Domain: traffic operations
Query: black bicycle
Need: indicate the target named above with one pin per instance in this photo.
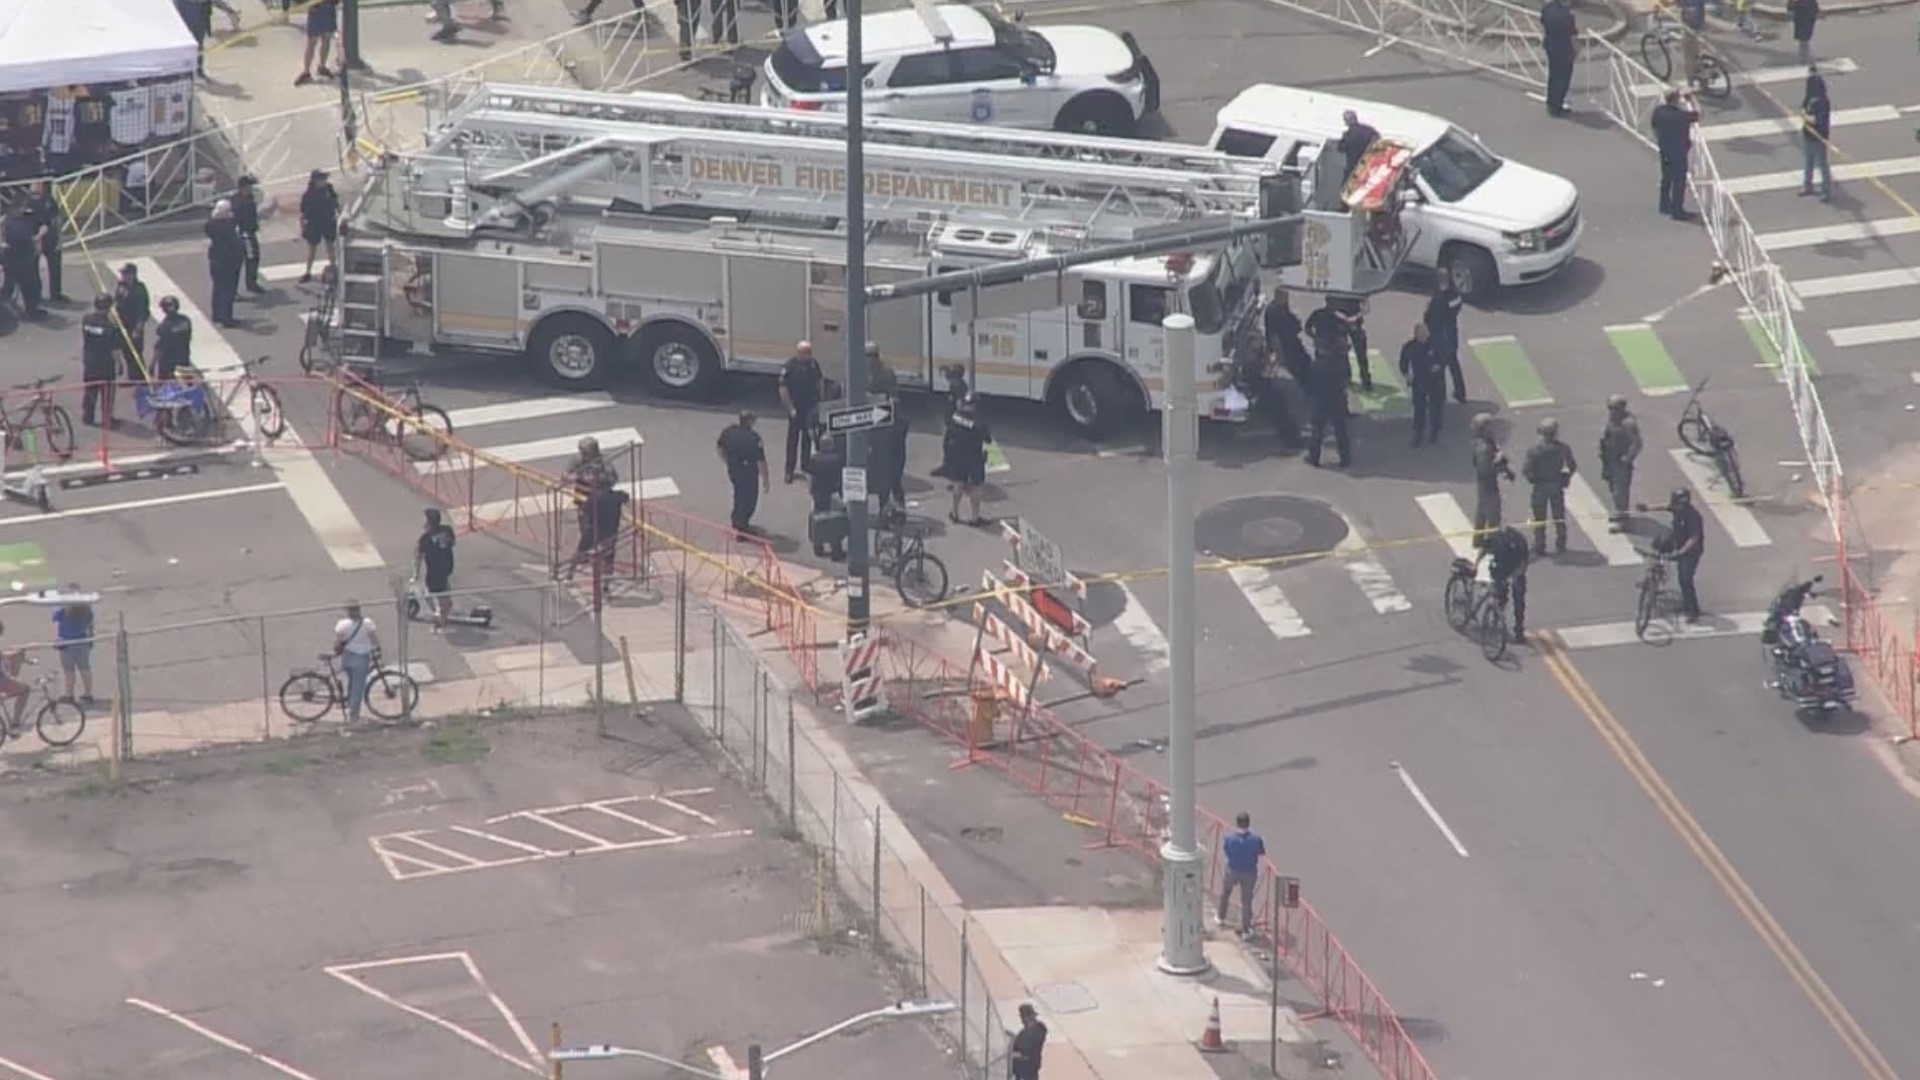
(1476, 606)
(1705, 437)
(311, 694)
(59, 721)
(43, 418)
(1653, 587)
(1709, 76)
(918, 574)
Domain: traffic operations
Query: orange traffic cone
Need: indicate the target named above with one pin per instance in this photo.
(1210, 1040)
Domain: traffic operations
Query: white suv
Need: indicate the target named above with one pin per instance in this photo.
(958, 64)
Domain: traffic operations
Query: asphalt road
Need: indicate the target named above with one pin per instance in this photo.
(1584, 933)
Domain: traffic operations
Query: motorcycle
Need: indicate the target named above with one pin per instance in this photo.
(1806, 670)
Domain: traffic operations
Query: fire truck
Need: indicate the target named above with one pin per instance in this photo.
(691, 240)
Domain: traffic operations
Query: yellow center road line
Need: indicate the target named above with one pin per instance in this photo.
(1617, 738)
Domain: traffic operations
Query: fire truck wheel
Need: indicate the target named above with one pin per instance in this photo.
(1098, 113)
(1097, 400)
(678, 361)
(1473, 271)
(573, 351)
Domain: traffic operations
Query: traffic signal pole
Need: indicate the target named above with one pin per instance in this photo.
(859, 609)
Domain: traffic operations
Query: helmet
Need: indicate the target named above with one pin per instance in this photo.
(1616, 402)
(1680, 497)
(169, 304)
(1548, 427)
(1481, 421)
(589, 446)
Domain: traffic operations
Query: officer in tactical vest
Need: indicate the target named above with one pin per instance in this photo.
(1548, 468)
(1489, 468)
(1619, 446)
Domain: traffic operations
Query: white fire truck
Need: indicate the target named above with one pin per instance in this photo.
(695, 239)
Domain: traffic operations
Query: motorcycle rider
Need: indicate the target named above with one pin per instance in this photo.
(1549, 466)
(1508, 550)
(1619, 446)
(1786, 603)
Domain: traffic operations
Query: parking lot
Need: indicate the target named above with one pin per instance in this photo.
(422, 904)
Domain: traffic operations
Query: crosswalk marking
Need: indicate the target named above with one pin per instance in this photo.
(543, 449)
(1508, 368)
(1453, 524)
(1259, 586)
(1848, 284)
(1589, 514)
(526, 506)
(532, 409)
(1770, 356)
(1136, 625)
(1737, 520)
(1875, 333)
(1791, 179)
(1763, 76)
(1370, 574)
(1786, 125)
(1606, 635)
(1646, 359)
(1844, 232)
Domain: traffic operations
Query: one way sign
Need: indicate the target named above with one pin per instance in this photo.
(852, 418)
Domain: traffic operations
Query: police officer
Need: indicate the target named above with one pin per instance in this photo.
(1426, 383)
(745, 458)
(20, 236)
(1489, 468)
(1508, 550)
(1686, 542)
(689, 16)
(963, 459)
(1443, 321)
(1327, 394)
(824, 476)
(1282, 329)
(246, 221)
(1619, 446)
(134, 305)
(1352, 314)
(1548, 467)
(1673, 121)
(47, 216)
(226, 255)
(891, 444)
(172, 339)
(1558, 35)
(801, 384)
(99, 367)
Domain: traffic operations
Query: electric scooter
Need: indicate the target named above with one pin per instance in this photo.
(27, 486)
(420, 607)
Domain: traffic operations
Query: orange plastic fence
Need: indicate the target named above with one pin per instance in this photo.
(1890, 658)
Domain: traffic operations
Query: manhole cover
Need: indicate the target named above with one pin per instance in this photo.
(1268, 527)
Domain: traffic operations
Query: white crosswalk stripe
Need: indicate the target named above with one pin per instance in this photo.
(1789, 125)
(1261, 587)
(581, 416)
(1452, 523)
(1589, 514)
(1738, 521)
(1372, 578)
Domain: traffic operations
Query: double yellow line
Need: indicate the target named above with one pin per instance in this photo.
(1615, 735)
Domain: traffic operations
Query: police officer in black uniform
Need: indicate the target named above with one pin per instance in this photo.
(963, 460)
(1327, 385)
(99, 367)
(745, 458)
(823, 483)
(134, 305)
(1508, 550)
(1548, 467)
(47, 216)
(20, 235)
(1686, 542)
(801, 383)
(1426, 383)
(1282, 329)
(226, 255)
(246, 221)
(172, 339)
(1352, 313)
(1443, 322)
(1673, 121)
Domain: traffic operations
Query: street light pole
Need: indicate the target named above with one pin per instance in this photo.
(1182, 945)
(858, 608)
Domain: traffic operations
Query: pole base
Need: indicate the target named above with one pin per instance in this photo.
(1183, 946)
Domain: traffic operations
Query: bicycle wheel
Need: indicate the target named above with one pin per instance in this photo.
(1649, 600)
(1696, 434)
(358, 420)
(60, 722)
(1730, 471)
(306, 696)
(1654, 54)
(423, 434)
(1493, 631)
(1712, 79)
(391, 695)
(921, 579)
(1458, 602)
(268, 418)
(58, 429)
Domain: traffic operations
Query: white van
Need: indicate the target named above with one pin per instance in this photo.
(1488, 221)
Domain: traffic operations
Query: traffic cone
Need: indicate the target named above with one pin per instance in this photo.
(1210, 1039)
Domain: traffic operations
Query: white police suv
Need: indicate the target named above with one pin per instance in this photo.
(960, 64)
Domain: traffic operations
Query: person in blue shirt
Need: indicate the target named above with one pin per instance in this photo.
(1243, 849)
(73, 629)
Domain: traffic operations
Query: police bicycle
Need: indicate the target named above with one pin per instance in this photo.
(1476, 606)
(1702, 435)
(1709, 76)
(901, 552)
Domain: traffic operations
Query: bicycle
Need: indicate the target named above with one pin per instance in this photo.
(1472, 604)
(1709, 75)
(421, 431)
(42, 416)
(1653, 583)
(1703, 436)
(312, 693)
(184, 415)
(59, 721)
(918, 575)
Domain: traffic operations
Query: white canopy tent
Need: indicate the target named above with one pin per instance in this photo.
(49, 43)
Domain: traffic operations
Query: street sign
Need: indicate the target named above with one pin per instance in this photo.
(1038, 557)
(853, 483)
(851, 418)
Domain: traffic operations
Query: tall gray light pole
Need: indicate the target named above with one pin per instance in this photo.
(1182, 944)
(858, 609)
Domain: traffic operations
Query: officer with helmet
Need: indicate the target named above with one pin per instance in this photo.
(1548, 467)
(1686, 541)
(1619, 446)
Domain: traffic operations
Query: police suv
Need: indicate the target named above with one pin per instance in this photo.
(960, 64)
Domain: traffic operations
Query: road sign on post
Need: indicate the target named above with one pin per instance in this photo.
(851, 418)
(1038, 557)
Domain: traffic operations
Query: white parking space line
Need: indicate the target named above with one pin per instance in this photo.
(1848, 284)
(530, 409)
(1590, 515)
(544, 449)
(1845, 232)
(21, 1070)
(1433, 815)
(1137, 627)
(1751, 129)
(1453, 524)
(655, 488)
(1607, 635)
(307, 482)
(1875, 333)
(724, 1064)
(1843, 65)
(534, 1061)
(141, 504)
(1370, 574)
(208, 1033)
(1257, 584)
(1737, 520)
(1790, 179)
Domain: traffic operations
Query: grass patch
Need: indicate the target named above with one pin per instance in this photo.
(285, 764)
(97, 783)
(456, 743)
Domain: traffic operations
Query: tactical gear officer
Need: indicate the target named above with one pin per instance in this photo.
(1489, 468)
(1548, 468)
(745, 458)
(172, 339)
(1619, 447)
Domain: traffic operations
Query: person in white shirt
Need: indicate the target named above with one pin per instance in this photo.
(356, 643)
